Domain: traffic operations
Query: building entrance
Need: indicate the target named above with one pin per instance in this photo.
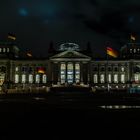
(70, 73)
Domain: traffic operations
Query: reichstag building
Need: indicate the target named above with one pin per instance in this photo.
(69, 65)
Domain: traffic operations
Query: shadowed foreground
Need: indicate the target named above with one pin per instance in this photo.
(69, 116)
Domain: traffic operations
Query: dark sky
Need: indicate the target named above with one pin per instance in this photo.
(37, 22)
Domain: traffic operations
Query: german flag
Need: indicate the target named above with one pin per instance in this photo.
(11, 36)
(29, 54)
(132, 37)
(41, 70)
(111, 52)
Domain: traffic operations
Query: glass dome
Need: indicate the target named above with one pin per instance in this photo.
(69, 46)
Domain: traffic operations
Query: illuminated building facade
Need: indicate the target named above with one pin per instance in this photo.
(70, 66)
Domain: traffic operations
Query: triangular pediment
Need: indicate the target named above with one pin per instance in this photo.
(70, 55)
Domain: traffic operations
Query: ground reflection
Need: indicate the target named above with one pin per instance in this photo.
(118, 107)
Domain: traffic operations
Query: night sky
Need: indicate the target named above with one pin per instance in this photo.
(37, 22)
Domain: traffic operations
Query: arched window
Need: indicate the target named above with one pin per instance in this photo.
(17, 69)
(37, 78)
(122, 69)
(102, 78)
(30, 78)
(109, 78)
(77, 72)
(7, 49)
(23, 78)
(95, 78)
(70, 72)
(16, 78)
(44, 78)
(63, 72)
(122, 78)
(115, 78)
(4, 50)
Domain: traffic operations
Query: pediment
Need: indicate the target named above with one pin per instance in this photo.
(70, 54)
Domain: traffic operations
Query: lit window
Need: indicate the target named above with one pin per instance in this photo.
(37, 78)
(109, 78)
(44, 78)
(70, 73)
(77, 76)
(134, 50)
(122, 69)
(102, 78)
(23, 79)
(122, 78)
(63, 71)
(63, 66)
(30, 78)
(0, 50)
(77, 73)
(115, 78)
(17, 69)
(7, 49)
(63, 77)
(4, 50)
(136, 77)
(95, 78)
(130, 50)
(77, 66)
(16, 78)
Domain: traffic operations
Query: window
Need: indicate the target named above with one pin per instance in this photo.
(136, 77)
(102, 78)
(77, 72)
(3, 69)
(23, 78)
(122, 78)
(134, 50)
(122, 69)
(23, 69)
(0, 50)
(16, 69)
(95, 68)
(16, 78)
(70, 72)
(116, 69)
(30, 69)
(95, 78)
(109, 78)
(4, 50)
(115, 78)
(30, 78)
(62, 76)
(63, 72)
(37, 78)
(7, 49)
(44, 78)
(102, 69)
(109, 69)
